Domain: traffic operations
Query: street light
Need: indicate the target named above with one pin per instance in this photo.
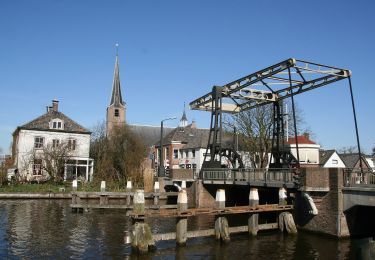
(161, 162)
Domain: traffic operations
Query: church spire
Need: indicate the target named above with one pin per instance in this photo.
(116, 98)
(183, 120)
(116, 111)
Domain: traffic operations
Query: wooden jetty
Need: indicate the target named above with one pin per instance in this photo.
(142, 240)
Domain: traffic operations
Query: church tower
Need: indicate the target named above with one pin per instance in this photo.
(117, 107)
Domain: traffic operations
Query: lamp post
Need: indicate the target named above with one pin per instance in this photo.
(161, 162)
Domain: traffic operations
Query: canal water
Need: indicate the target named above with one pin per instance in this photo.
(47, 229)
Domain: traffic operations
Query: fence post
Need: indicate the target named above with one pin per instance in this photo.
(221, 222)
(103, 196)
(181, 225)
(253, 223)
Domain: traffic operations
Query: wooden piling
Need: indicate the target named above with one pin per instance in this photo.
(128, 189)
(74, 186)
(156, 193)
(253, 221)
(141, 236)
(102, 186)
(139, 202)
(181, 225)
(221, 222)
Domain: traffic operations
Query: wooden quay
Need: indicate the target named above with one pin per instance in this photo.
(142, 240)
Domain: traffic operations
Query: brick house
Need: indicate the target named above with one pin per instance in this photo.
(52, 130)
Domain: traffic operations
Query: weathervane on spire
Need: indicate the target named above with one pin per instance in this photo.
(116, 48)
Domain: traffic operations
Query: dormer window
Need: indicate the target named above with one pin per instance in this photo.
(57, 124)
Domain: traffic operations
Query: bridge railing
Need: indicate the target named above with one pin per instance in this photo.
(248, 175)
(358, 177)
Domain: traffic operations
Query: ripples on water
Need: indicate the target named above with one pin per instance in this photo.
(34, 229)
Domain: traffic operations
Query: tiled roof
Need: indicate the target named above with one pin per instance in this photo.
(324, 155)
(351, 159)
(42, 123)
(149, 134)
(195, 137)
(301, 140)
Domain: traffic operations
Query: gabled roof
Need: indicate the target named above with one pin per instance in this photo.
(42, 123)
(116, 98)
(324, 155)
(351, 159)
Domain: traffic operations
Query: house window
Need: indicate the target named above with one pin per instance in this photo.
(175, 153)
(57, 124)
(117, 113)
(38, 142)
(72, 144)
(55, 143)
(187, 154)
(334, 161)
(167, 152)
(181, 154)
(193, 153)
(37, 167)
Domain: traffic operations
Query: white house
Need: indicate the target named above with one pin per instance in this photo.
(330, 159)
(308, 150)
(51, 131)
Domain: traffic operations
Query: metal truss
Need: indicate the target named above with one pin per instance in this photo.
(277, 82)
(267, 86)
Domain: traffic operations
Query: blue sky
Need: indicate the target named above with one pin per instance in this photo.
(172, 52)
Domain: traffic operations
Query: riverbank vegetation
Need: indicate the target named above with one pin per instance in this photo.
(118, 158)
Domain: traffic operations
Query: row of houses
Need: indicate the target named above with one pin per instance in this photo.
(184, 147)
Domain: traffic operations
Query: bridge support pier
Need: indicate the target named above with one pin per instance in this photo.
(253, 221)
(221, 222)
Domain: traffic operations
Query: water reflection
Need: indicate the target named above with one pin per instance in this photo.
(48, 229)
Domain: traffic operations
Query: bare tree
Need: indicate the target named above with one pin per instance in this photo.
(118, 157)
(255, 127)
(347, 149)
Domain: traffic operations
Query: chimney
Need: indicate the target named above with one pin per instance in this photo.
(193, 124)
(307, 136)
(55, 105)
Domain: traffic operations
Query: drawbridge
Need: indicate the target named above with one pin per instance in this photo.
(269, 86)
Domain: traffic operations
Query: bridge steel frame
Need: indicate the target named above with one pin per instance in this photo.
(267, 86)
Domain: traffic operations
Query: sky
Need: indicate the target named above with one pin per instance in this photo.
(173, 52)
